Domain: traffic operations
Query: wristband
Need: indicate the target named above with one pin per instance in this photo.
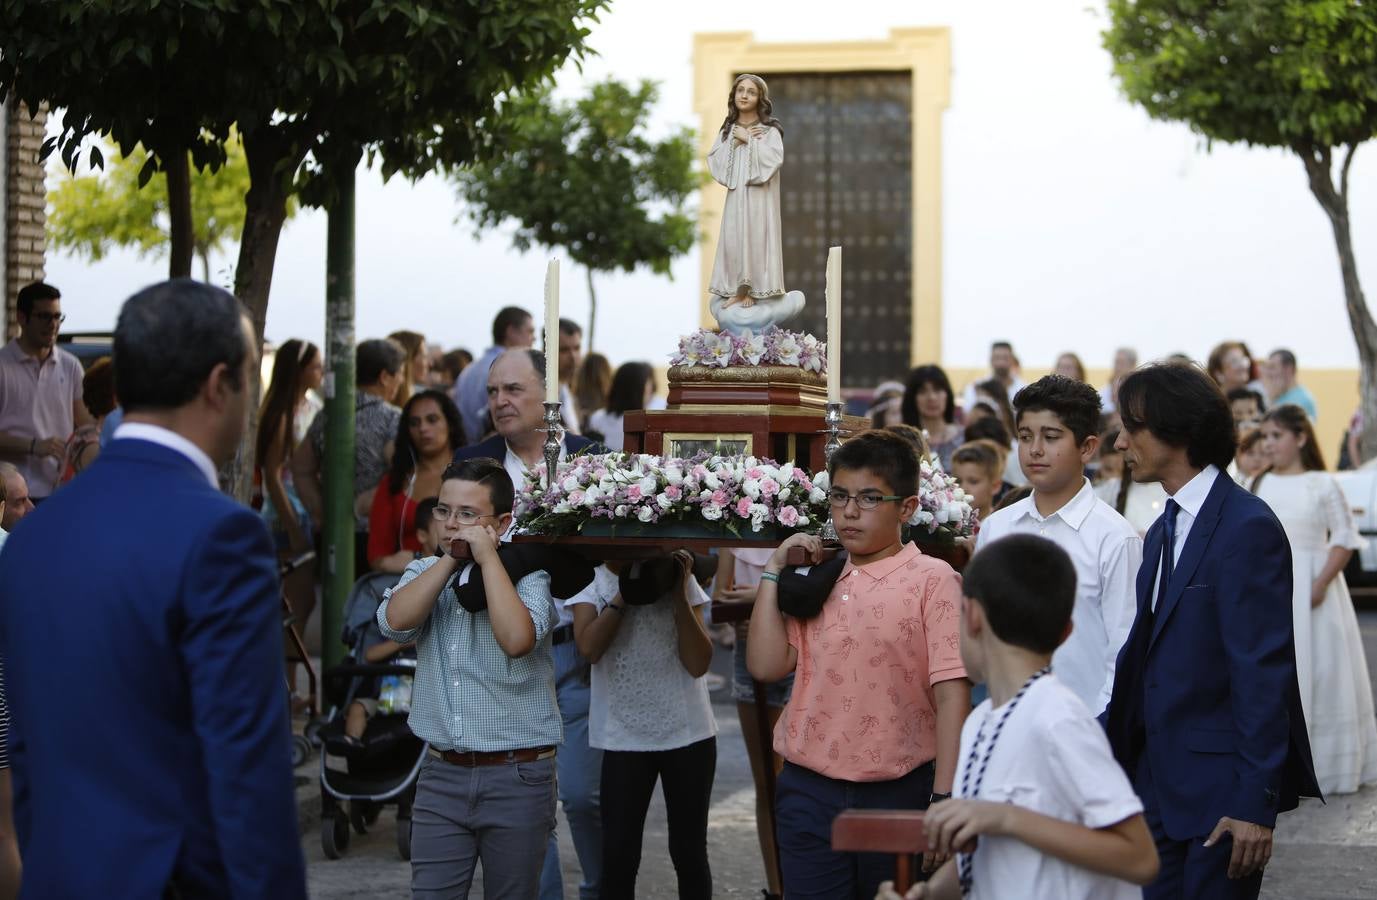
(936, 797)
(769, 576)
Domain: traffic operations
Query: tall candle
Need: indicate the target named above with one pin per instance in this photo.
(834, 258)
(552, 332)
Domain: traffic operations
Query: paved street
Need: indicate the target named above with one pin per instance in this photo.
(1323, 852)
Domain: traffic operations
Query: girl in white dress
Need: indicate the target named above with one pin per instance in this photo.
(745, 158)
(1336, 691)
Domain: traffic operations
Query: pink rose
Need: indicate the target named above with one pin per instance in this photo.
(719, 497)
(788, 516)
(769, 487)
(673, 492)
(743, 507)
(634, 492)
(754, 472)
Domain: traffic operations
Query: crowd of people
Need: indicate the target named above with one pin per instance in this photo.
(1151, 654)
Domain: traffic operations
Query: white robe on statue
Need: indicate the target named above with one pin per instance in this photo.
(750, 250)
(1336, 691)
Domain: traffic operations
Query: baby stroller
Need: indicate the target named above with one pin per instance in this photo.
(357, 781)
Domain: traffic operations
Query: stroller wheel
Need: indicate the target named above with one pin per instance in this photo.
(301, 750)
(404, 837)
(334, 836)
(359, 816)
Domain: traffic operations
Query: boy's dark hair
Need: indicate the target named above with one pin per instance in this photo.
(1027, 585)
(1246, 393)
(991, 429)
(507, 317)
(425, 511)
(30, 294)
(884, 454)
(374, 357)
(1075, 403)
(1182, 407)
(486, 471)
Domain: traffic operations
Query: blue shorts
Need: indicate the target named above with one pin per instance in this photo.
(743, 689)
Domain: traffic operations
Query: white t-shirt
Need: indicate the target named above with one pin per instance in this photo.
(1107, 554)
(643, 698)
(1052, 758)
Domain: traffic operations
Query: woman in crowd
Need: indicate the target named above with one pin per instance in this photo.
(632, 388)
(1141, 504)
(1231, 365)
(98, 393)
(886, 405)
(1336, 691)
(416, 369)
(591, 384)
(929, 404)
(428, 433)
(1069, 365)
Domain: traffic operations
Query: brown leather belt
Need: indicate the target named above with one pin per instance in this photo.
(495, 758)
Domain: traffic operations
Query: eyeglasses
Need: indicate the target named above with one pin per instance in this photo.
(48, 318)
(444, 514)
(866, 500)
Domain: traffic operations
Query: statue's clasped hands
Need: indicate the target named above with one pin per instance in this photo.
(743, 134)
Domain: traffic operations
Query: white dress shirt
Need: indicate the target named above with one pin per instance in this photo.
(1191, 497)
(1107, 553)
(156, 434)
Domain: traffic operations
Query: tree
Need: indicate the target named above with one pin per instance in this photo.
(1295, 74)
(92, 214)
(583, 177)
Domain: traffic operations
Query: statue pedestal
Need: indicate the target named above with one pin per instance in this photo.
(768, 411)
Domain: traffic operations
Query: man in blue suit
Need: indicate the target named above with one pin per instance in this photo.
(1206, 714)
(142, 638)
(516, 390)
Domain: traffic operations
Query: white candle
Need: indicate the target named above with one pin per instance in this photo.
(834, 255)
(552, 332)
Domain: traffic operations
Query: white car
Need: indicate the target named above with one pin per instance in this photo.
(1360, 487)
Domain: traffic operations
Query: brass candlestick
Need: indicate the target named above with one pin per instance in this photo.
(554, 435)
(833, 420)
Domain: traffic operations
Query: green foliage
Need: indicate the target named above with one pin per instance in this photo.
(584, 177)
(91, 214)
(1281, 73)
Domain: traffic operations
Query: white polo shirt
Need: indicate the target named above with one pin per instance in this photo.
(1106, 552)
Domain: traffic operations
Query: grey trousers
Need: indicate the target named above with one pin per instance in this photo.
(502, 815)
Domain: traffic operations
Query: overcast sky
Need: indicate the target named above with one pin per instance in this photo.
(1071, 221)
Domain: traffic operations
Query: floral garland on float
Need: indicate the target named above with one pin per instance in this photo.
(772, 346)
(639, 494)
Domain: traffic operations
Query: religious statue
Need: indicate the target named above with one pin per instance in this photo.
(747, 283)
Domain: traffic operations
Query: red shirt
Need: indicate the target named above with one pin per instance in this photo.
(391, 523)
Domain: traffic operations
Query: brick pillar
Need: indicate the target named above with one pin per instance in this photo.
(25, 205)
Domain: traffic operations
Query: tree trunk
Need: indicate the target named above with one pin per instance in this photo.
(339, 415)
(177, 169)
(1334, 201)
(268, 154)
(592, 308)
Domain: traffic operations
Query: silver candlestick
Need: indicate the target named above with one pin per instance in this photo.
(833, 420)
(554, 435)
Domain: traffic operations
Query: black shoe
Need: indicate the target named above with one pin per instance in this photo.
(803, 589)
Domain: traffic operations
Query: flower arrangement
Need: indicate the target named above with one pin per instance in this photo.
(944, 510)
(773, 346)
(730, 493)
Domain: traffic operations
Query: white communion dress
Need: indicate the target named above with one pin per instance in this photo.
(1336, 691)
(750, 250)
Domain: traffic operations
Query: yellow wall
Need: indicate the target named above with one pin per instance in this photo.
(1335, 390)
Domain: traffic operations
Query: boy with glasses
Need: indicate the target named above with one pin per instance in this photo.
(483, 698)
(879, 692)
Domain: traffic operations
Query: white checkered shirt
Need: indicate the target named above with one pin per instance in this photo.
(468, 694)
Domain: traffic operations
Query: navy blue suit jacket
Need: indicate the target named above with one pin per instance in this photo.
(141, 629)
(496, 448)
(1206, 686)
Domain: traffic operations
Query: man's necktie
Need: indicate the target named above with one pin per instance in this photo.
(1168, 551)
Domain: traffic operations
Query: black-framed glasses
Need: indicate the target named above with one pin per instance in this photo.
(866, 500)
(48, 318)
(444, 514)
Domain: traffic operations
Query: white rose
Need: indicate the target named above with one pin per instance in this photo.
(620, 511)
(648, 485)
(592, 496)
(570, 484)
(751, 488)
(785, 494)
(712, 481)
(664, 501)
(645, 514)
(712, 512)
(786, 473)
(674, 474)
(563, 507)
(817, 495)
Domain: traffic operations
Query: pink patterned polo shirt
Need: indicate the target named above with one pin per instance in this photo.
(863, 707)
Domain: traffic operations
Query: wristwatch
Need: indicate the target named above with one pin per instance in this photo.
(935, 797)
